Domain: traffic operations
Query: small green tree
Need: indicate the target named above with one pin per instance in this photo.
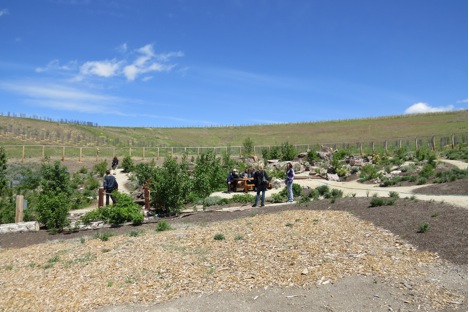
(209, 175)
(288, 152)
(248, 147)
(128, 164)
(54, 199)
(169, 185)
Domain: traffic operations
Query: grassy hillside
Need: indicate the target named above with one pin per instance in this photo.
(26, 131)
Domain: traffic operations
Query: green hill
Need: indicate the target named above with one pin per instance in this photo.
(27, 131)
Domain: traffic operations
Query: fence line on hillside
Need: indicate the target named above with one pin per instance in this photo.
(97, 153)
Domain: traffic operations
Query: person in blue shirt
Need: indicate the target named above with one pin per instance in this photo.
(290, 173)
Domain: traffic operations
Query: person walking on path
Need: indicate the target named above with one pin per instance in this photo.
(114, 164)
(289, 181)
(261, 179)
(110, 185)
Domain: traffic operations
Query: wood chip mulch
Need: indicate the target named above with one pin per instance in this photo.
(290, 248)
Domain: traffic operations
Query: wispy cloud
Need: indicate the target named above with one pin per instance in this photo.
(141, 62)
(55, 65)
(419, 108)
(60, 97)
(4, 12)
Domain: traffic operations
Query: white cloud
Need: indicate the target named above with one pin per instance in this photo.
(55, 65)
(102, 69)
(60, 97)
(141, 62)
(4, 12)
(419, 108)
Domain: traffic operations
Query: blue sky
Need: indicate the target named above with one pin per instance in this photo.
(184, 63)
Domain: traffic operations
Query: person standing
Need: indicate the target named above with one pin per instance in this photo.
(260, 178)
(110, 185)
(290, 173)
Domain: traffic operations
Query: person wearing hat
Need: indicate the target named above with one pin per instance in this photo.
(230, 180)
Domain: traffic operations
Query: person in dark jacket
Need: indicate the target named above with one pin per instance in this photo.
(114, 164)
(259, 177)
(110, 185)
(230, 180)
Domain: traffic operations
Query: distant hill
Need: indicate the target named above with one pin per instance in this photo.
(28, 131)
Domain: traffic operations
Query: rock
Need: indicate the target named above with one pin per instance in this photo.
(305, 272)
(333, 177)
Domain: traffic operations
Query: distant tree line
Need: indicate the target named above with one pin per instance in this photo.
(61, 120)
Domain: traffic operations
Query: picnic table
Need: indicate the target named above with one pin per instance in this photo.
(243, 183)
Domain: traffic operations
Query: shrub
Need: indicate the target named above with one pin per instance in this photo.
(322, 189)
(124, 210)
(170, 185)
(208, 176)
(336, 193)
(128, 164)
(394, 194)
(244, 198)
(55, 198)
(288, 152)
(368, 172)
(421, 181)
(100, 168)
(424, 227)
(248, 147)
(377, 201)
(219, 237)
(162, 226)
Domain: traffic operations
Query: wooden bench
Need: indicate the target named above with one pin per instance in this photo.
(243, 183)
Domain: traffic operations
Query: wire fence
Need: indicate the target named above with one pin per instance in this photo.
(81, 153)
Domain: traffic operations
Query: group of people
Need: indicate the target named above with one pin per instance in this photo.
(260, 181)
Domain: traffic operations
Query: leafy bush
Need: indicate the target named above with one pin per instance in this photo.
(213, 201)
(162, 226)
(323, 189)
(209, 175)
(244, 198)
(55, 198)
(380, 201)
(169, 185)
(128, 164)
(452, 175)
(143, 172)
(459, 153)
(53, 211)
(124, 210)
(369, 172)
(100, 168)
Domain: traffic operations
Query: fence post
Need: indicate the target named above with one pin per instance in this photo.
(19, 208)
(130, 152)
(101, 197)
(43, 153)
(97, 153)
(416, 144)
(361, 149)
(63, 153)
(79, 158)
(158, 153)
(452, 141)
(433, 143)
(22, 155)
(386, 146)
(146, 195)
(143, 153)
(373, 146)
